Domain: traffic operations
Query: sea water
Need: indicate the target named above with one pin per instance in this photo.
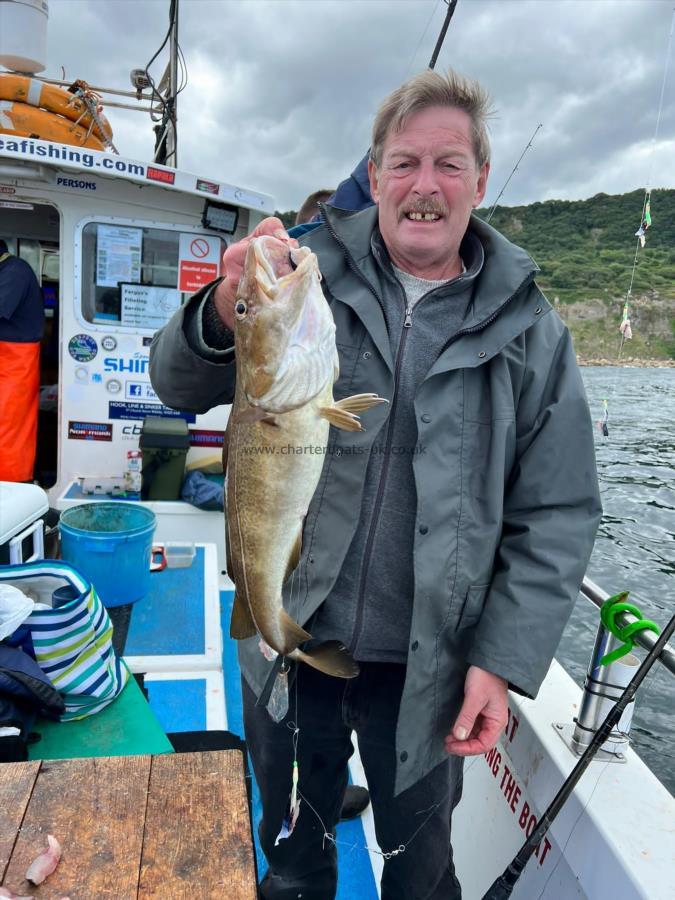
(635, 545)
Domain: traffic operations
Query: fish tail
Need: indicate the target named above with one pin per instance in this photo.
(331, 658)
(292, 634)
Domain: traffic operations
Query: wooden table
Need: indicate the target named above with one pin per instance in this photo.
(131, 827)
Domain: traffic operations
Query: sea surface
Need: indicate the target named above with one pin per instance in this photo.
(635, 545)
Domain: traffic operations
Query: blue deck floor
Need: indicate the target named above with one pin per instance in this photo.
(356, 881)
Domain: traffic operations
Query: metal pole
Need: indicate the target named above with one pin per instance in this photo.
(96, 88)
(172, 99)
(441, 37)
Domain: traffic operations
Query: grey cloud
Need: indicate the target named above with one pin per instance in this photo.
(282, 94)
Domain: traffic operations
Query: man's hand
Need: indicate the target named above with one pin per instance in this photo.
(233, 265)
(483, 715)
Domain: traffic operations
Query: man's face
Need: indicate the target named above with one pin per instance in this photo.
(427, 184)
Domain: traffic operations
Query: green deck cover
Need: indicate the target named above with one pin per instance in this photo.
(127, 727)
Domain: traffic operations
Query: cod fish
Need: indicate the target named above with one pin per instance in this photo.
(286, 364)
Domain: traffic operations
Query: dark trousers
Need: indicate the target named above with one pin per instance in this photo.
(328, 710)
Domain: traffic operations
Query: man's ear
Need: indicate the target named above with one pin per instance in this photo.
(481, 186)
(373, 179)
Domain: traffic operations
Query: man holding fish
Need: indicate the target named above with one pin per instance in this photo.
(426, 550)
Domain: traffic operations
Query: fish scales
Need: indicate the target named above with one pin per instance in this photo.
(276, 439)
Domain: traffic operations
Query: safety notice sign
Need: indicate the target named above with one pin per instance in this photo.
(199, 261)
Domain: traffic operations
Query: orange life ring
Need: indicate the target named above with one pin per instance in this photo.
(29, 121)
(24, 89)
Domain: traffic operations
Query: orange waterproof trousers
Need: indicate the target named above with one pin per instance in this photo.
(19, 401)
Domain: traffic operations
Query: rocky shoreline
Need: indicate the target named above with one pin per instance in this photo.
(628, 361)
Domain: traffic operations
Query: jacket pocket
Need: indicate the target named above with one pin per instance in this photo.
(473, 605)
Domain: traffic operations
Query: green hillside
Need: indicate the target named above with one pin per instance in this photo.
(585, 250)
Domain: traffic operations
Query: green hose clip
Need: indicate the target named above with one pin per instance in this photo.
(608, 613)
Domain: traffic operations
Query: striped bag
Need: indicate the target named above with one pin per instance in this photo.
(72, 644)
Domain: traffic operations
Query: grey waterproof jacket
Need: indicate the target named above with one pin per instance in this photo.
(507, 494)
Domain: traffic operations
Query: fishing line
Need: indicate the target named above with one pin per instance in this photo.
(645, 222)
(514, 170)
(651, 675)
(419, 43)
(574, 827)
(385, 854)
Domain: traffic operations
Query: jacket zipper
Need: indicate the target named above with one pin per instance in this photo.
(407, 324)
(384, 473)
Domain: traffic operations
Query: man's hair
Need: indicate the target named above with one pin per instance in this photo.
(311, 205)
(3, 247)
(430, 88)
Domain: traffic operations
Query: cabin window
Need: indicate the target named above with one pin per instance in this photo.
(138, 277)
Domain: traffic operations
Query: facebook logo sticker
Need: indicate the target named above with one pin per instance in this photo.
(140, 390)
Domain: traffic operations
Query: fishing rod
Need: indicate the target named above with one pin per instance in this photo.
(441, 37)
(514, 170)
(503, 886)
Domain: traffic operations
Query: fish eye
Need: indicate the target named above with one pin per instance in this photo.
(240, 309)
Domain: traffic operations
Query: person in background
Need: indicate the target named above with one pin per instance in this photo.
(309, 215)
(446, 555)
(22, 323)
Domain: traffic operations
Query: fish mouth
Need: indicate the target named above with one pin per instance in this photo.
(296, 352)
(277, 265)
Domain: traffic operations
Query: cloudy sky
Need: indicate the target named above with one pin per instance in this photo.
(281, 93)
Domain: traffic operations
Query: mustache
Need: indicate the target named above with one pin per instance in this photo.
(424, 206)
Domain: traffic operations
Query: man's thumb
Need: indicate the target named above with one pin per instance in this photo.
(466, 718)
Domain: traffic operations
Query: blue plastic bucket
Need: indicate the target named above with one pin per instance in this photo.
(111, 545)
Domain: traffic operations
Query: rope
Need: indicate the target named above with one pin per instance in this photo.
(609, 610)
(645, 222)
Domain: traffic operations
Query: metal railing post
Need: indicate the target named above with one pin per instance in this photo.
(602, 688)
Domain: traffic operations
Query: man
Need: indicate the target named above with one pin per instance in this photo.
(22, 322)
(310, 211)
(447, 557)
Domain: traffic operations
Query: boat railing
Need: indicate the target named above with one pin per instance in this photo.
(645, 639)
(606, 679)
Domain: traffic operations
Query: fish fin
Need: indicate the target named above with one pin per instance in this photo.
(241, 624)
(359, 402)
(293, 634)
(253, 414)
(341, 418)
(294, 558)
(331, 658)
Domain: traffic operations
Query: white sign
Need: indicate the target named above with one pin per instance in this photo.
(118, 255)
(145, 306)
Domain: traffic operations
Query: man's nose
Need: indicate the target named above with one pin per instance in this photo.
(426, 181)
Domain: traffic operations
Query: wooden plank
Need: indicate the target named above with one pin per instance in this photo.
(16, 785)
(96, 810)
(197, 832)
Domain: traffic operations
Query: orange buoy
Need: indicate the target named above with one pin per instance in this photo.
(30, 121)
(23, 89)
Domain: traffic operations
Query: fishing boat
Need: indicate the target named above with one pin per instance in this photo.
(118, 244)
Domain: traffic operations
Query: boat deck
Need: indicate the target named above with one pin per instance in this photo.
(193, 684)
